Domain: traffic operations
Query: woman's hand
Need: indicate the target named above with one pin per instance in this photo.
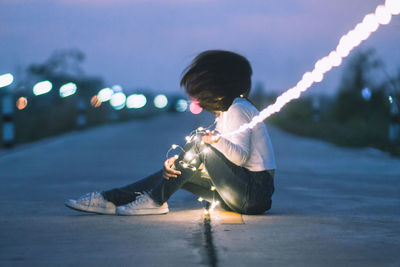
(211, 137)
(169, 169)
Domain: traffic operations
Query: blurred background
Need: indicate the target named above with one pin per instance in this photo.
(72, 64)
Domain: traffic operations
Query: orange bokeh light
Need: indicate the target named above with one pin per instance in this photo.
(95, 102)
(21, 103)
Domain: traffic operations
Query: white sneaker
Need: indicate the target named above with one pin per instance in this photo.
(143, 205)
(91, 202)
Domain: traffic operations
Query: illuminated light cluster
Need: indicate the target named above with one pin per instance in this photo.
(6, 79)
(21, 103)
(42, 88)
(117, 101)
(136, 101)
(105, 94)
(371, 22)
(160, 101)
(67, 89)
(95, 102)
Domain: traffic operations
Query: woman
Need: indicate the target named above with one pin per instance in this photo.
(240, 167)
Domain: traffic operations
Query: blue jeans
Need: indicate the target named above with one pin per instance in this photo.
(236, 188)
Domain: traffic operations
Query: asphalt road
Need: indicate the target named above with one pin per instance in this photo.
(332, 207)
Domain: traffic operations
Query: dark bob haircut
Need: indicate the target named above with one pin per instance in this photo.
(216, 77)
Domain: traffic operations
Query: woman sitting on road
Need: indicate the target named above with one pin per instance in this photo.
(240, 167)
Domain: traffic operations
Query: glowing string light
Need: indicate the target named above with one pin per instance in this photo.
(347, 43)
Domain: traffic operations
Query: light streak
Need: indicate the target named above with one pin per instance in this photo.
(371, 22)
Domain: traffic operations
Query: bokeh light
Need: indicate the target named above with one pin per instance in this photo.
(21, 103)
(366, 93)
(6, 79)
(136, 101)
(67, 89)
(181, 105)
(117, 101)
(194, 107)
(42, 88)
(105, 94)
(95, 102)
(117, 88)
(160, 101)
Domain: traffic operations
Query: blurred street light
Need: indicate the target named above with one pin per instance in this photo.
(366, 93)
(118, 101)
(181, 105)
(21, 103)
(42, 88)
(67, 89)
(6, 79)
(95, 102)
(160, 101)
(136, 101)
(117, 88)
(194, 107)
(105, 94)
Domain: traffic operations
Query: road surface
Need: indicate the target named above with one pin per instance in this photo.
(332, 207)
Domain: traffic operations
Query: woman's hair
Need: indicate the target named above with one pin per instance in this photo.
(216, 77)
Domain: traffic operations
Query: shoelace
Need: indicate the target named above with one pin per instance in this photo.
(141, 198)
(89, 196)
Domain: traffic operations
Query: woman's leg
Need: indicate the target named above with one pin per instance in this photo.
(124, 195)
(233, 183)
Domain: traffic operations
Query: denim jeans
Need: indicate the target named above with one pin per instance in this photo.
(236, 188)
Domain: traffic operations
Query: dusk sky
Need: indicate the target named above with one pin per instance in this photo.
(139, 43)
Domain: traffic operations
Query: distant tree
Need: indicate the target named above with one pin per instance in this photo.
(60, 63)
(352, 101)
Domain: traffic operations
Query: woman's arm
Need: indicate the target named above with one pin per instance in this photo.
(237, 147)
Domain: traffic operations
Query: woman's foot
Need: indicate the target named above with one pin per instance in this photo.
(91, 202)
(143, 205)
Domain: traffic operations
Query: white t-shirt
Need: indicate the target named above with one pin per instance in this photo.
(251, 149)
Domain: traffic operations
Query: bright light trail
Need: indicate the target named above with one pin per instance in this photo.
(371, 22)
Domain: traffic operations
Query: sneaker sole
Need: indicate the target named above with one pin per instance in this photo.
(144, 212)
(73, 205)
